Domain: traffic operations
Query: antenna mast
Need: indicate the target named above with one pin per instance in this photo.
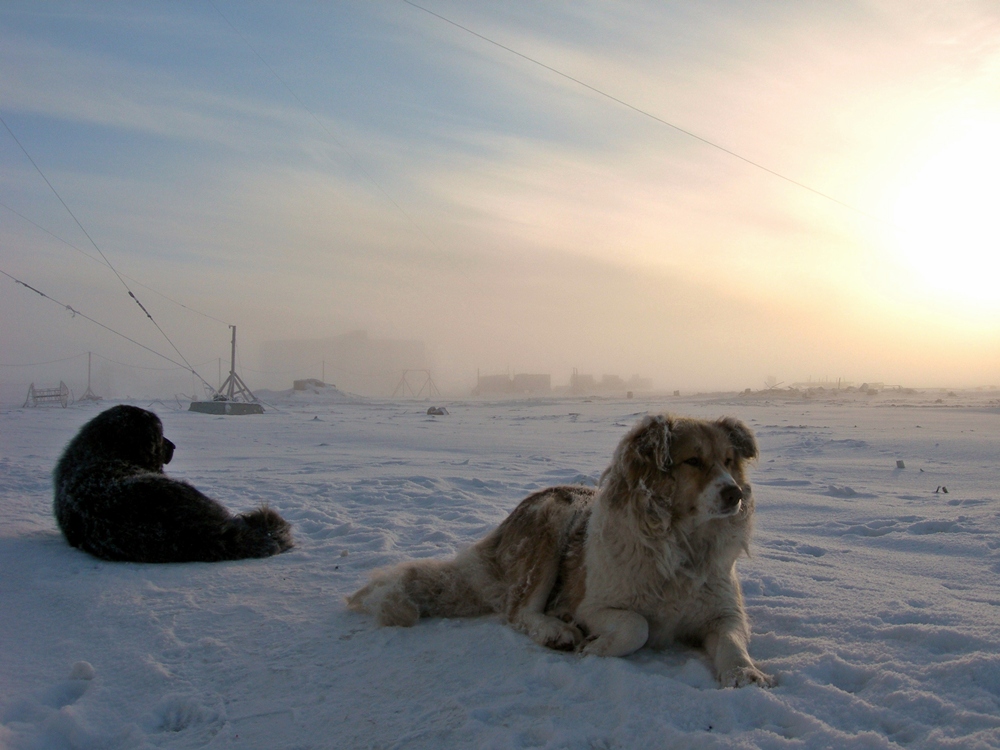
(233, 396)
(234, 385)
(89, 395)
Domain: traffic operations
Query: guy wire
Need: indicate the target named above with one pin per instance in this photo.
(87, 234)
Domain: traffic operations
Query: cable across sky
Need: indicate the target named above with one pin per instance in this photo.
(101, 252)
(645, 113)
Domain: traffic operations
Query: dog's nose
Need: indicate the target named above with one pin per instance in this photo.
(731, 497)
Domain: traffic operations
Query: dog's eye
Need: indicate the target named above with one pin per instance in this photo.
(695, 462)
(729, 463)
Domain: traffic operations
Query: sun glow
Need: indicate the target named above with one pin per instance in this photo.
(948, 218)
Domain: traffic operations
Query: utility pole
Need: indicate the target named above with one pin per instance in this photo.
(89, 395)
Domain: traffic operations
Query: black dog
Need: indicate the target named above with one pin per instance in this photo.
(113, 500)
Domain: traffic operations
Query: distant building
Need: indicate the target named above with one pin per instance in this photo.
(582, 384)
(492, 385)
(612, 383)
(354, 362)
(609, 385)
(523, 384)
(638, 383)
(840, 384)
(531, 384)
(307, 383)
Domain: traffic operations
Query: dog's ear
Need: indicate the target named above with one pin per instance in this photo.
(740, 436)
(640, 472)
(647, 446)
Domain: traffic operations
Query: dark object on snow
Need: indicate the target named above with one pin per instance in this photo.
(307, 383)
(113, 500)
(900, 464)
(223, 406)
(437, 411)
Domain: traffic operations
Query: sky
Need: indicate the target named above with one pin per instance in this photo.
(706, 194)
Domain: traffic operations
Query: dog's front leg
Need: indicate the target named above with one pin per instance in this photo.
(527, 614)
(727, 648)
(614, 632)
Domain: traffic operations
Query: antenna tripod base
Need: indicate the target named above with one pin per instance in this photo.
(226, 407)
(223, 401)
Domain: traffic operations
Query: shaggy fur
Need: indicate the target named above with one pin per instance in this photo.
(647, 558)
(113, 500)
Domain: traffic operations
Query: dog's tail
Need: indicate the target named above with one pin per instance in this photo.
(403, 594)
(259, 533)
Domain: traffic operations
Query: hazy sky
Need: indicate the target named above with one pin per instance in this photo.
(367, 165)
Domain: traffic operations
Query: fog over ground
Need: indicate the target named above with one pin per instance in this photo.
(306, 171)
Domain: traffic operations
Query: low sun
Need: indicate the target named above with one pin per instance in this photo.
(948, 218)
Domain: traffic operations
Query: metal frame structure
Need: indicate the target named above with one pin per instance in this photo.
(38, 396)
(405, 385)
(226, 400)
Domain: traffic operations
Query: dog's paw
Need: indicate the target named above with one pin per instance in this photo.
(595, 645)
(738, 677)
(565, 638)
(584, 647)
(551, 632)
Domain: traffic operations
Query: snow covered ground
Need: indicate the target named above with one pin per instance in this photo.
(873, 597)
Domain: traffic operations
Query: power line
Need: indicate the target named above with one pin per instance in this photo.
(72, 215)
(101, 252)
(96, 354)
(648, 114)
(91, 257)
(76, 312)
(326, 130)
(50, 362)
(294, 370)
(135, 367)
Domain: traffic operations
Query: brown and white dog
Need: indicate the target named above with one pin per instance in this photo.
(645, 559)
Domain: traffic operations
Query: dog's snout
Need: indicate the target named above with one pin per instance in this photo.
(732, 495)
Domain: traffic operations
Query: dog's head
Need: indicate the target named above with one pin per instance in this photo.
(687, 469)
(127, 433)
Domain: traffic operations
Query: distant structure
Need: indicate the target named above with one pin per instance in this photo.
(840, 384)
(582, 384)
(416, 384)
(89, 395)
(356, 362)
(527, 383)
(492, 385)
(47, 396)
(872, 389)
(612, 383)
(307, 383)
(522, 384)
(233, 396)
